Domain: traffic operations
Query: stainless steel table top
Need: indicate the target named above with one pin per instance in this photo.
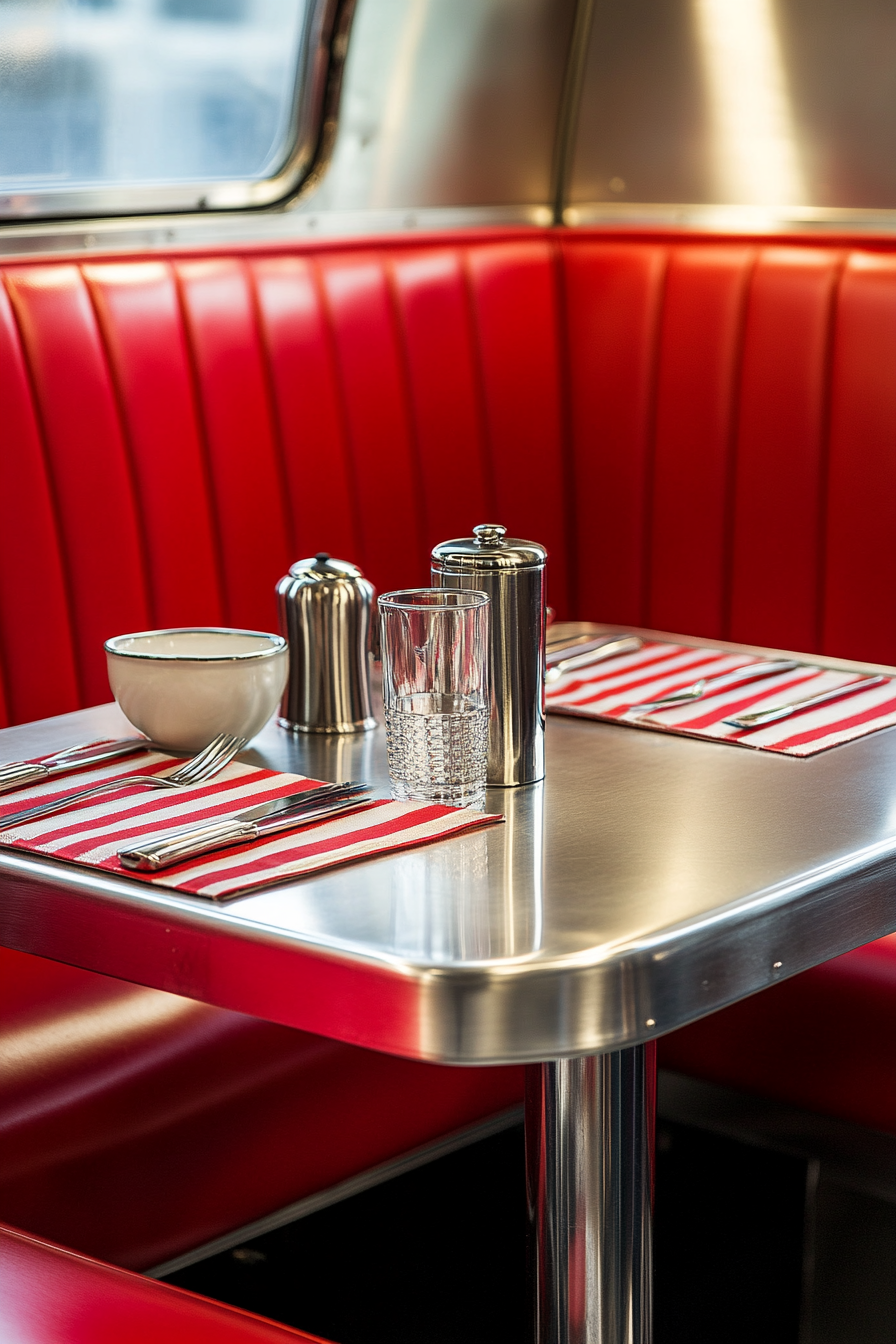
(649, 880)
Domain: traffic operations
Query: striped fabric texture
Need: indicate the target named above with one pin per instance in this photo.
(92, 833)
(609, 690)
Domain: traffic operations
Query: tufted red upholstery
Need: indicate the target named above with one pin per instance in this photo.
(189, 416)
(177, 431)
(54, 1296)
(737, 405)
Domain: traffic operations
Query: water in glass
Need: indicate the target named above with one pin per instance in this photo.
(438, 745)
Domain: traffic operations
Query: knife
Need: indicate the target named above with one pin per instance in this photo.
(760, 717)
(289, 813)
(594, 651)
(19, 774)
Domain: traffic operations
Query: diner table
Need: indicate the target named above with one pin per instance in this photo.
(648, 880)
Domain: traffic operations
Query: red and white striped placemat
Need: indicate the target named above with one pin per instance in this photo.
(607, 690)
(94, 831)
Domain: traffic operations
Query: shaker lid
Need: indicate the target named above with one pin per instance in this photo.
(322, 566)
(489, 548)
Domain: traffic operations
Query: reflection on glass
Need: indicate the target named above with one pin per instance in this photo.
(521, 866)
(478, 897)
(756, 154)
(440, 902)
(332, 756)
(145, 91)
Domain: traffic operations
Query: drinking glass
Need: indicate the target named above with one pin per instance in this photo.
(435, 687)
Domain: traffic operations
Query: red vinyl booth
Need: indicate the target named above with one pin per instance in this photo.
(51, 1295)
(701, 430)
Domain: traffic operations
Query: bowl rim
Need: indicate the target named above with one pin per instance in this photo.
(277, 645)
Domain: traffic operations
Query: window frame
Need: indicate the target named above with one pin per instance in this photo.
(320, 56)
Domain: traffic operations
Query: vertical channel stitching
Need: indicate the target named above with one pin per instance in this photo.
(52, 491)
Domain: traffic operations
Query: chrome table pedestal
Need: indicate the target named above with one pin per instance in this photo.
(589, 1179)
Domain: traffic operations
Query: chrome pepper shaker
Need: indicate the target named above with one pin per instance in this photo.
(325, 608)
(512, 572)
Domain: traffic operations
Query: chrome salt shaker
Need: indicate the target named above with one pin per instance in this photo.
(512, 572)
(326, 608)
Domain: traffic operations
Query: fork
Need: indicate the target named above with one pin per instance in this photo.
(707, 685)
(208, 762)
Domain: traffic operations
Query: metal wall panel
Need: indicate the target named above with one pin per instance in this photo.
(448, 103)
(780, 104)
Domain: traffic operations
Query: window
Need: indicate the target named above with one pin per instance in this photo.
(108, 106)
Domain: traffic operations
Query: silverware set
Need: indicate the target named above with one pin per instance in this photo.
(574, 652)
(207, 763)
(304, 807)
(706, 686)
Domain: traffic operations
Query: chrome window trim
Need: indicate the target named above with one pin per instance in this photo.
(321, 54)
(299, 222)
(177, 233)
(728, 218)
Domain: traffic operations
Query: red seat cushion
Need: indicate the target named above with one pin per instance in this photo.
(51, 1295)
(120, 1107)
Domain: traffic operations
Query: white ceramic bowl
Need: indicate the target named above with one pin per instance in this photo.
(183, 687)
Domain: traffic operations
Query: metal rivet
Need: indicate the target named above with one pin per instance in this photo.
(650, 1022)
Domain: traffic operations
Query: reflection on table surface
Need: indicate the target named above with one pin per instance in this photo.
(631, 833)
(647, 881)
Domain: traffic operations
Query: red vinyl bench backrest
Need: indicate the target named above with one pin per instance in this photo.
(703, 432)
